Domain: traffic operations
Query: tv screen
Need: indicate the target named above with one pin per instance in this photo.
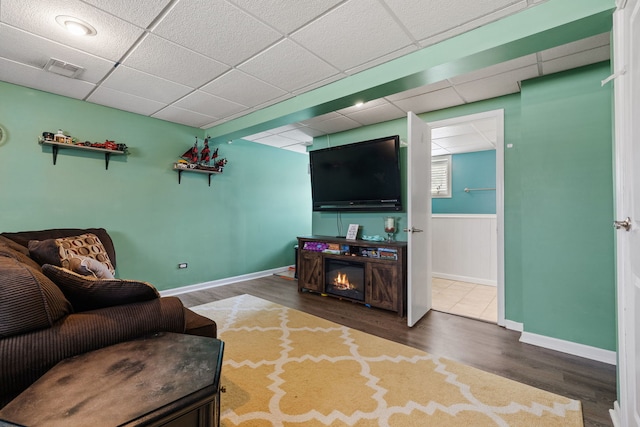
(363, 176)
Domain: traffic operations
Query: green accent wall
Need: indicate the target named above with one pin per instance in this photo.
(246, 222)
(558, 184)
(567, 207)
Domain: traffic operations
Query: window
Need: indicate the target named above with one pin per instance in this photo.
(441, 176)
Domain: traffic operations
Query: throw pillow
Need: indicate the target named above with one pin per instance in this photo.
(60, 251)
(29, 301)
(88, 293)
(89, 267)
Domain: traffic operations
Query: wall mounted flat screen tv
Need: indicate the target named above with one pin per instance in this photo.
(363, 176)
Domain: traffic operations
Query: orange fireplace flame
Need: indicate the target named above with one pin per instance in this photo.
(341, 282)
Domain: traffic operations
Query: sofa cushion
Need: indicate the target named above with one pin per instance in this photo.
(10, 251)
(28, 300)
(23, 237)
(88, 293)
(60, 251)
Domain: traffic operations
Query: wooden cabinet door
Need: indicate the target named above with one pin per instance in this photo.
(382, 285)
(311, 271)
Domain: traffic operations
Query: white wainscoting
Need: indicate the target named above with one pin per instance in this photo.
(465, 248)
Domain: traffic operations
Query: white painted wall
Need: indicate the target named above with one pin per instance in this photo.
(465, 248)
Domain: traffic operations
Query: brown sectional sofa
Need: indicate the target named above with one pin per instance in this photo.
(39, 326)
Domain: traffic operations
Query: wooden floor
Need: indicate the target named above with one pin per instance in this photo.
(476, 343)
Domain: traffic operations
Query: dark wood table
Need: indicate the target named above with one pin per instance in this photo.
(164, 380)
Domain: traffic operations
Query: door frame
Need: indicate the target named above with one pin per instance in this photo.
(500, 147)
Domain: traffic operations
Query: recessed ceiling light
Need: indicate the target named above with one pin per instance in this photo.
(75, 26)
(359, 104)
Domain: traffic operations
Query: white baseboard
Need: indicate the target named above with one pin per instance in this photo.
(513, 326)
(588, 352)
(458, 278)
(614, 414)
(222, 282)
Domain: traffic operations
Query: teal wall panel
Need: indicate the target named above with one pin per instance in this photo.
(245, 222)
(470, 170)
(567, 207)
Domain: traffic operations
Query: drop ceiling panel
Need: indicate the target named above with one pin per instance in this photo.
(33, 50)
(381, 59)
(461, 140)
(139, 12)
(37, 78)
(420, 90)
(288, 66)
(298, 148)
(426, 19)
(331, 37)
(575, 47)
(431, 101)
(209, 105)
(124, 101)
(243, 89)
(216, 29)
(501, 84)
(379, 114)
(128, 80)
(494, 70)
(173, 62)
(114, 36)
(337, 124)
(277, 141)
(453, 130)
(185, 117)
(286, 15)
(576, 60)
(302, 135)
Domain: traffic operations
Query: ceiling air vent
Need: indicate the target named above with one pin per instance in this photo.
(66, 69)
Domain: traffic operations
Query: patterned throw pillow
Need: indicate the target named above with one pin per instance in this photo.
(88, 293)
(60, 251)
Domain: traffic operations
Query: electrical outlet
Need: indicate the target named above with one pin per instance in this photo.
(182, 265)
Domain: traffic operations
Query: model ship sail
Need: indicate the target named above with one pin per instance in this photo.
(191, 155)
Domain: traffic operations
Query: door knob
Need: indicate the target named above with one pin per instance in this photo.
(413, 230)
(626, 224)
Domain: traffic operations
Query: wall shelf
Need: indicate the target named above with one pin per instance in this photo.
(55, 146)
(193, 170)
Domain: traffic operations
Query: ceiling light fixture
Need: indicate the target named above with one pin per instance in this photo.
(75, 26)
(359, 104)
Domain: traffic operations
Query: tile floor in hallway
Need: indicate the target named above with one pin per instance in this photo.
(465, 299)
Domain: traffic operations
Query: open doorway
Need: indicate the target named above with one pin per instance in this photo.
(468, 217)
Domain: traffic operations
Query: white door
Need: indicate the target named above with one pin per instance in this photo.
(627, 152)
(418, 219)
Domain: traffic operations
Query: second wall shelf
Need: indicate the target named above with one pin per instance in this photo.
(193, 170)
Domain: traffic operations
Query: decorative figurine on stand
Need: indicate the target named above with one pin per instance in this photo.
(203, 160)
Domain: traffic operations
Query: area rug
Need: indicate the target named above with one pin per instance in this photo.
(283, 367)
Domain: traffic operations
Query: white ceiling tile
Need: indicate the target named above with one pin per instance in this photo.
(36, 78)
(209, 105)
(420, 90)
(165, 59)
(363, 107)
(243, 89)
(124, 101)
(501, 84)
(216, 29)
(286, 128)
(576, 60)
(581, 45)
(185, 117)
(257, 136)
(337, 124)
(33, 50)
(501, 68)
(452, 130)
(298, 148)
(318, 83)
(331, 37)
(276, 141)
(144, 85)
(379, 114)
(438, 151)
(460, 140)
(469, 148)
(288, 66)
(286, 15)
(489, 17)
(425, 19)
(114, 36)
(139, 12)
(431, 101)
(318, 119)
(381, 59)
(297, 134)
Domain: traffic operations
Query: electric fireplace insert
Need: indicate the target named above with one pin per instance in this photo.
(344, 278)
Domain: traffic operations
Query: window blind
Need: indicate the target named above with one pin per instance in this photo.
(441, 176)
